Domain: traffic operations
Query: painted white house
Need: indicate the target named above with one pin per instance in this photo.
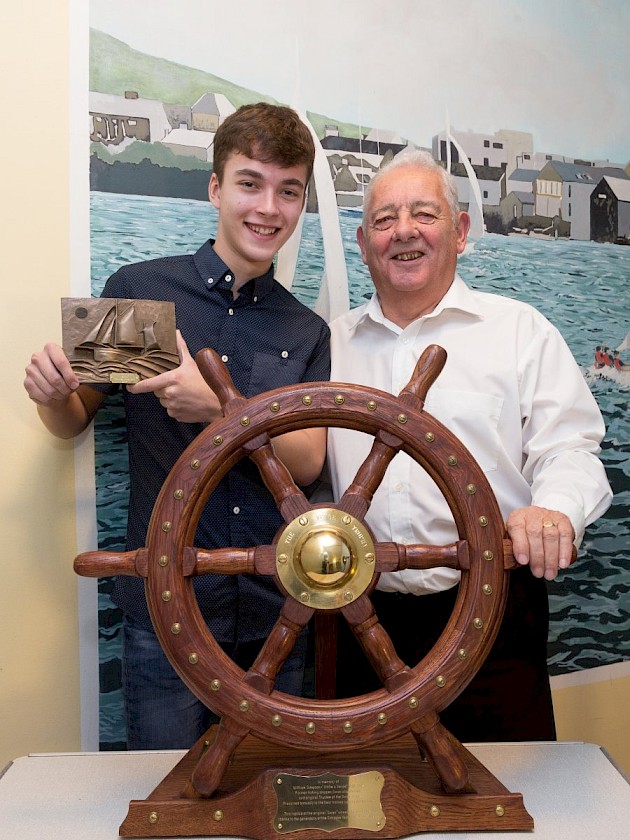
(564, 189)
(191, 143)
(210, 110)
(117, 121)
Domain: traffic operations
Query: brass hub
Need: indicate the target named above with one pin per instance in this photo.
(325, 558)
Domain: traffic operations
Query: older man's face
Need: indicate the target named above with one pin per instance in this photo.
(412, 241)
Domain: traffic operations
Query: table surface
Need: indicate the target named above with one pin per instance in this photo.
(572, 791)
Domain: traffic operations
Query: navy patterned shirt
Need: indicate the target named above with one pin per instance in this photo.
(267, 339)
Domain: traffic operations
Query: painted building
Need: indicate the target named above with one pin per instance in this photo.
(610, 210)
(564, 190)
(197, 144)
(521, 180)
(503, 149)
(210, 110)
(354, 160)
(516, 205)
(117, 121)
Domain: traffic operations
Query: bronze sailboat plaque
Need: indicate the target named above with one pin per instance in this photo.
(119, 340)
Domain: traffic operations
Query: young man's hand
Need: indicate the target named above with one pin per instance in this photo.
(183, 392)
(49, 376)
(66, 408)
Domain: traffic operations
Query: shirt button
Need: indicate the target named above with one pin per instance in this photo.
(285, 354)
(230, 312)
(228, 278)
(210, 281)
(255, 299)
(224, 358)
(236, 509)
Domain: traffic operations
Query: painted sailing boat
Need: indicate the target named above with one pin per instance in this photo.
(116, 336)
(475, 203)
(621, 375)
(333, 299)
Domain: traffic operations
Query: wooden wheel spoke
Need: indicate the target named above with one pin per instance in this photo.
(260, 560)
(392, 557)
(376, 643)
(217, 376)
(358, 497)
(108, 563)
(290, 500)
(427, 369)
(292, 620)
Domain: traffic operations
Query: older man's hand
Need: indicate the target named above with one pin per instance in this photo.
(543, 538)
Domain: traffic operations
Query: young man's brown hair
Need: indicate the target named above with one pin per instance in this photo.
(264, 132)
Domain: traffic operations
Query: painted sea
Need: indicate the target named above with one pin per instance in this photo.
(582, 287)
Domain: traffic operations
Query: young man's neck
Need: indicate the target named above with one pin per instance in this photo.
(243, 272)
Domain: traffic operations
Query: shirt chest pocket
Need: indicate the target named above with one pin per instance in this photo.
(273, 370)
(473, 417)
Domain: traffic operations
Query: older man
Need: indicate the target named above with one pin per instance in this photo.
(513, 394)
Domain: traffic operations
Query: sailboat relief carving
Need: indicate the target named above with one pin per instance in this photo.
(118, 340)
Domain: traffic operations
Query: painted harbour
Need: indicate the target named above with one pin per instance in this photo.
(582, 287)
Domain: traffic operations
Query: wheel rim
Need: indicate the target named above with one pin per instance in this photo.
(211, 674)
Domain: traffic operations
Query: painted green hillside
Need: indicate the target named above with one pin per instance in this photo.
(115, 67)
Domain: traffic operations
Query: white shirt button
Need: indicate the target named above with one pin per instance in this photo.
(236, 509)
(230, 312)
(255, 299)
(224, 358)
(285, 354)
(210, 281)
(228, 278)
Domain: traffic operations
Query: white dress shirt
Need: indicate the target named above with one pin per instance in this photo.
(510, 390)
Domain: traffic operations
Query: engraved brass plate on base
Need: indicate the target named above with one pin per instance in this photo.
(329, 802)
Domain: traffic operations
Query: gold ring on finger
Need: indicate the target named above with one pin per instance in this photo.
(548, 523)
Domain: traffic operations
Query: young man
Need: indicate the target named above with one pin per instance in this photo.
(512, 393)
(226, 298)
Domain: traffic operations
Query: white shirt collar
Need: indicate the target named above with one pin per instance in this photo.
(458, 297)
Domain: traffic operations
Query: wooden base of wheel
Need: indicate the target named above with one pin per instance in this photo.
(384, 791)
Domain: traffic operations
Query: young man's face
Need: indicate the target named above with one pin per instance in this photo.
(259, 206)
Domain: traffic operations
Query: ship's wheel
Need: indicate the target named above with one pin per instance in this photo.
(323, 558)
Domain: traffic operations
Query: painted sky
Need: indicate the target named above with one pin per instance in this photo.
(557, 69)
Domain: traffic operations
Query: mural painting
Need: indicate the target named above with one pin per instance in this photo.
(550, 228)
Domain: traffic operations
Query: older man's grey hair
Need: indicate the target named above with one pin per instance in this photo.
(418, 159)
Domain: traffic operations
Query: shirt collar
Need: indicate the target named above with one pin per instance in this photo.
(458, 297)
(216, 274)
